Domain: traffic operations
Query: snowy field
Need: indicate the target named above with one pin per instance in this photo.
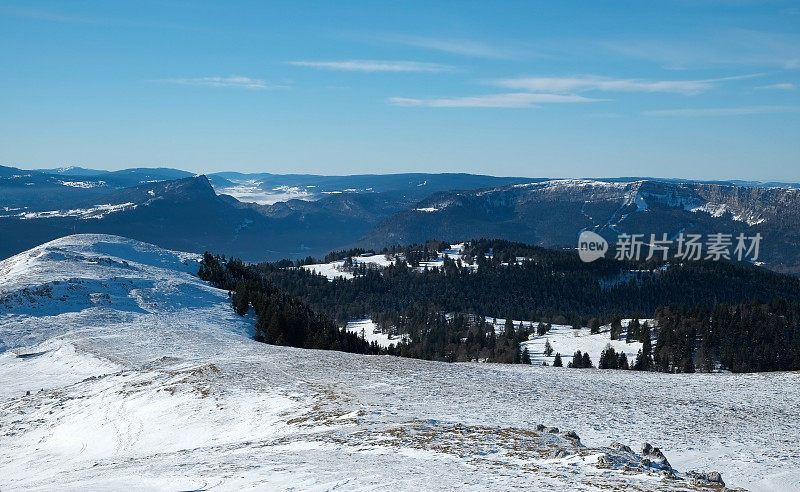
(566, 340)
(336, 269)
(96, 212)
(368, 330)
(142, 377)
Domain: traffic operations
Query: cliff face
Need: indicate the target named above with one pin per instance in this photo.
(187, 214)
(553, 213)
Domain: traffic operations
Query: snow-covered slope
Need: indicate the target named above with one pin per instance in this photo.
(141, 376)
(565, 340)
(339, 268)
(336, 269)
(369, 331)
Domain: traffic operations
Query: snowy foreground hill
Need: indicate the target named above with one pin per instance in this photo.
(119, 369)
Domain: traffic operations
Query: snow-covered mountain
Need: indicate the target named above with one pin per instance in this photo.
(268, 217)
(553, 213)
(119, 369)
(296, 215)
(187, 214)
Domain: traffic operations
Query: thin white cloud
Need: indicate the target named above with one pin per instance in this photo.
(506, 100)
(744, 110)
(608, 84)
(233, 81)
(728, 47)
(374, 66)
(462, 47)
(781, 87)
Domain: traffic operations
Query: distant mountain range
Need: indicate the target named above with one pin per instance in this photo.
(268, 216)
(180, 210)
(553, 213)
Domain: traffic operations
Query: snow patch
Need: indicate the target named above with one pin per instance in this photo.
(96, 212)
(368, 330)
(83, 184)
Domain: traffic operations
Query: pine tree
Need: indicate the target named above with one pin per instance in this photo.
(577, 360)
(241, 301)
(644, 360)
(548, 349)
(616, 328)
(633, 331)
(509, 328)
(608, 358)
(526, 358)
(557, 361)
(541, 329)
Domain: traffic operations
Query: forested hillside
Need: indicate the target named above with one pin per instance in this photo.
(441, 311)
(281, 319)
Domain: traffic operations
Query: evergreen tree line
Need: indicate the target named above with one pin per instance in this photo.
(750, 336)
(549, 285)
(580, 360)
(432, 334)
(438, 312)
(281, 319)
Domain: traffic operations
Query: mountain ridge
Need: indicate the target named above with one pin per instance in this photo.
(553, 213)
(296, 222)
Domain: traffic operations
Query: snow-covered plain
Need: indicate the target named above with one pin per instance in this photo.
(565, 339)
(142, 377)
(368, 330)
(96, 212)
(337, 269)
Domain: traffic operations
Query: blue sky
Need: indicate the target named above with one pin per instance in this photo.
(691, 89)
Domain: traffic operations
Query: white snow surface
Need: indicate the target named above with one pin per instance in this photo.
(565, 339)
(336, 269)
(83, 184)
(142, 377)
(96, 212)
(368, 330)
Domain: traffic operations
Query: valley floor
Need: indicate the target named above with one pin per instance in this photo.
(158, 386)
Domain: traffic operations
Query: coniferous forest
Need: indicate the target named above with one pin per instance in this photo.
(281, 319)
(709, 315)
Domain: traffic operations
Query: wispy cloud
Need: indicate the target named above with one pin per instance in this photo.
(608, 84)
(462, 47)
(507, 100)
(744, 110)
(374, 66)
(730, 47)
(233, 81)
(780, 87)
